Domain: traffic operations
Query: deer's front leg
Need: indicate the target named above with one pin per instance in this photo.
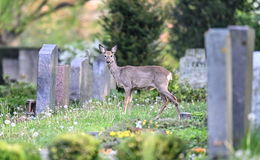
(127, 98)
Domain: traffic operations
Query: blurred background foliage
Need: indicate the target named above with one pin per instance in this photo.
(146, 31)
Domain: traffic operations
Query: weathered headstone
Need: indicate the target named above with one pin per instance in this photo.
(103, 81)
(28, 65)
(242, 38)
(48, 59)
(193, 68)
(62, 85)
(10, 68)
(256, 90)
(80, 80)
(219, 99)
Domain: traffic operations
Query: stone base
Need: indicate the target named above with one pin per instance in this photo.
(185, 115)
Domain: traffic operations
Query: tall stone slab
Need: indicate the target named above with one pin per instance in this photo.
(28, 65)
(219, 99)
(48, 59)
(193, 68)
(62, 85)
(103, 81)
(256, 90)
(10, 68)
(242, 38)
(80, 80)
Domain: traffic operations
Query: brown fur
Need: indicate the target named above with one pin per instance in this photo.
(140, 77)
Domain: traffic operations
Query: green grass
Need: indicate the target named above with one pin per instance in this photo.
(98, 116)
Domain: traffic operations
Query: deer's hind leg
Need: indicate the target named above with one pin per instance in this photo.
(165, 103)
(162, 88)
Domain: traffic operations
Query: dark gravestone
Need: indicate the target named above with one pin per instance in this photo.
(10, 68)
(28, 65)
(48, 59)
(80, 80)
(11, 53)
(103, 81)
(242, 48)
(255, 114)
(219, 99)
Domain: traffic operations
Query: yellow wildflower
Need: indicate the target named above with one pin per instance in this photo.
(112, 133)
(168, 132)
(144, 122)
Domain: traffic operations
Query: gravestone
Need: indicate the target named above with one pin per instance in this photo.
(256, 90)
(80, 80)
(219, 99)
(48, 59)
(103, 81)
(242, 38)
(28, 65)
(10, 68)
(193, 68)
(62, 85)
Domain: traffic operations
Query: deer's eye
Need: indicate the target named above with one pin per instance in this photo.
(111, 56)
(105, 56)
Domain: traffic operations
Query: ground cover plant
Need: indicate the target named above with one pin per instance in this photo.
(107, 117)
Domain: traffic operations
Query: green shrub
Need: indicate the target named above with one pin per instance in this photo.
(152, 147)
(131, 148)
(135, 26)
(76, 146)
(13, 95)
(164, 147)
(18, 152)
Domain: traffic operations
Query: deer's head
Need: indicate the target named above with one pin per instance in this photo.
(109, 55)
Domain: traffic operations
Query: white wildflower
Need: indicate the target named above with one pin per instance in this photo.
(35, 134)
(15, 113)
(251, 116)
(65, 106)
(239, 153)
(1, 134)
(71, 128)
(75, 123)
(13, 124)
(7, 121)
(138, 124)
(61, 127)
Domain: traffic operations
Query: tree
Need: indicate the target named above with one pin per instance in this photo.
(135, 26)
(192, 18)
(16, 15)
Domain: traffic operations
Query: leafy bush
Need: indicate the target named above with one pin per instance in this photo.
(152, 147)
(18, 152)
(78, 146)
(13, 95)
(164, 147)
(131, 148)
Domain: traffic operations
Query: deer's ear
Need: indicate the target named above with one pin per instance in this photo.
(102, 49)
(114, 49)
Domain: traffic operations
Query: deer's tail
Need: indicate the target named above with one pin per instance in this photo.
(169, 77)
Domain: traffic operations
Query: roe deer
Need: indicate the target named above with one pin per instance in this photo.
(140, 77)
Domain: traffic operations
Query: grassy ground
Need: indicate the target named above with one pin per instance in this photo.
(99, 116)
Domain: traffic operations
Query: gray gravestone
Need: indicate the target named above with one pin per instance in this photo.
(48, 59)
(28, 65)
(256, 90)
(81, 80)
(242, 48)
(193, 68)
(62, 85)
(103, 81)
(219, 99)
(10, 68)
